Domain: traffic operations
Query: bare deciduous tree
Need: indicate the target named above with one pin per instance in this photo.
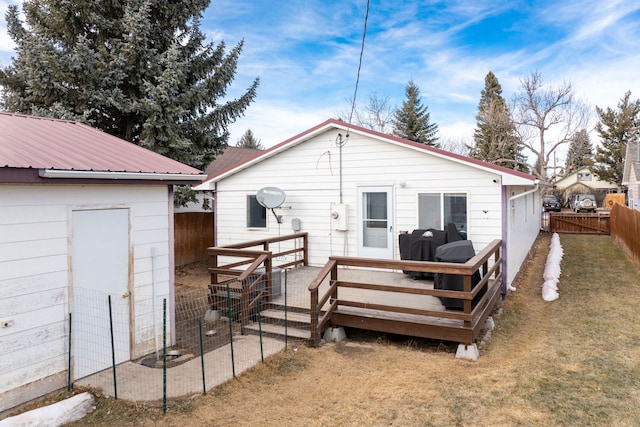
(376, 114)
(546, 118)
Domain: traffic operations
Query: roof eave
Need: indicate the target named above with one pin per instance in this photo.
(143, 176)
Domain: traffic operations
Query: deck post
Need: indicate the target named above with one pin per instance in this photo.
(467, 303)
(268, 267)
(213, 263)
(334, 279)
(305, 252)
(244, 304)
(314, 333)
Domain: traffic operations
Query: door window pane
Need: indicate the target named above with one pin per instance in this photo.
(375, 220)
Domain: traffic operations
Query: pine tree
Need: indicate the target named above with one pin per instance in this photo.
(140, 70)
(495, 135)
(616, 128)
(249, 140)
(580, 152)
(412, 120)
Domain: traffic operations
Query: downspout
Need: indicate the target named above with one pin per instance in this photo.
(533, 190)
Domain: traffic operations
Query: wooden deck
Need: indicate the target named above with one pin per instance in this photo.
(371, 294)
(299, 279)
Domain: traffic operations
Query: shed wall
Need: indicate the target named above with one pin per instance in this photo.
(35, 275)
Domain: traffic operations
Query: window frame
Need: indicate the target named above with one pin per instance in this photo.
(442, 196)
(259, 215)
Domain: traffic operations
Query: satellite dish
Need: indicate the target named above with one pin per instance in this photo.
(270, 197)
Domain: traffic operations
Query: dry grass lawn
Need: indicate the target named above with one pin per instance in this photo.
(571, 362)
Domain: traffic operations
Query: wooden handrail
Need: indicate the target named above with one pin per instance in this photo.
(491, 280)
(251, 260)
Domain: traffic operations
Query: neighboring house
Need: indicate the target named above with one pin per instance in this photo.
(355, 190)
(631, 174)
(584, 181)
(231, 156)
(83, 216)
(584, 178)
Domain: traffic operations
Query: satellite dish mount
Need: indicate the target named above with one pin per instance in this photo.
(271, 198)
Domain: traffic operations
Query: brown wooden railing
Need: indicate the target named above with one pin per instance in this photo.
(247, 268)
(461, 326)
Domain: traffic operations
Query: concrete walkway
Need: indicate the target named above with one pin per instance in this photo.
(139, 383)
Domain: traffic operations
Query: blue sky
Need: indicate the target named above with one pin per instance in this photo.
(306, 55)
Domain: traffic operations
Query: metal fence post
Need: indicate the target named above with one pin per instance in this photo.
(113, 351)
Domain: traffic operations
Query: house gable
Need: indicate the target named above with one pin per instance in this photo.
(347, 132)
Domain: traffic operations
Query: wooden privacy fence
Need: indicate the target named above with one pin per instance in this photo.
(582, 223)
(193, 234)
(625, 230)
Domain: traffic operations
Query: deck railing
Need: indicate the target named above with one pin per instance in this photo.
(247, 268)
(462, 326)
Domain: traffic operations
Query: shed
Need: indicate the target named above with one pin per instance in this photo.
(355, 191)
(84, 217)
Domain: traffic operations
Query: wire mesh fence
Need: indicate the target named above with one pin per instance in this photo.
(159, 348)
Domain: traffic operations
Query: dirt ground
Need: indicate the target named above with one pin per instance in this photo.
(571, 362)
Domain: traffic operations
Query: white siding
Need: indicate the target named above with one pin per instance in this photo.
(34, 270)
(309, 173)
(523, 226)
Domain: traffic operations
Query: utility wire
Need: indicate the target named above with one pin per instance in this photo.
(355, 92)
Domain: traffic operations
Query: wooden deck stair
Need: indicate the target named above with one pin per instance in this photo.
(296, 324)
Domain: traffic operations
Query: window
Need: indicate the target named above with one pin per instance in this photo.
(256, 213)
(584, 176)
(436, 210)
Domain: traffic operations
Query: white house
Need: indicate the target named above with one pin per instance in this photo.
(84, 217)
(355, 190)
(631, 174)
(584, 179)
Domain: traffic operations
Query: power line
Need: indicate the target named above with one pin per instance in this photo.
(355, 92)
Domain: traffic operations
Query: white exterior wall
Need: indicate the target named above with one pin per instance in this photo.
(309, 175)
(522, 227)
(634, 190)
(35, 277)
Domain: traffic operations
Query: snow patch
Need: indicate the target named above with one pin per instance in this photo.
(552, 271)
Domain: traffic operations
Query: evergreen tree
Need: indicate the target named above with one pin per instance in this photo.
(140, 70)
(249, 140)
(495, 135)
(580, 152)
(616, 128)
(412, 120)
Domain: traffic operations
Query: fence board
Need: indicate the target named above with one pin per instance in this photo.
(625, 230)
(582, 223)
(193, 233)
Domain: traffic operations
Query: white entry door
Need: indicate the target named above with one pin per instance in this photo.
(375, 222)
(100, 266)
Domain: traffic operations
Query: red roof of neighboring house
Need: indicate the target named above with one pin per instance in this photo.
(29, 142)
(231, 156)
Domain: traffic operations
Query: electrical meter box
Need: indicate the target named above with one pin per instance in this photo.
(339, 218)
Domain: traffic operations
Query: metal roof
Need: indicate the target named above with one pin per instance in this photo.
(29, 142)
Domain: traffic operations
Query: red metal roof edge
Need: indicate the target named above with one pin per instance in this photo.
(439, 151)
(158, 160)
